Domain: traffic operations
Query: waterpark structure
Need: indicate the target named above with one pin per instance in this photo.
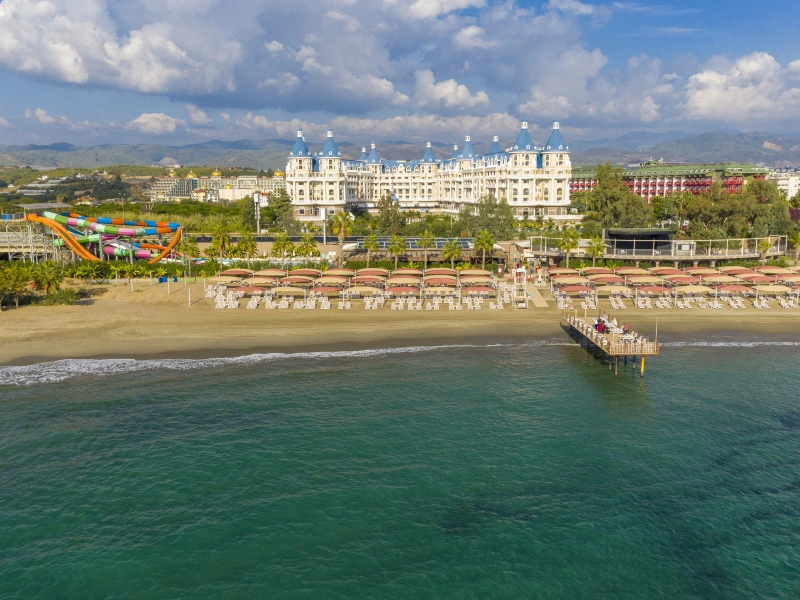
(41, 233)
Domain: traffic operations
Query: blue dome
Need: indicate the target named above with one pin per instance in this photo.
(467, 151)
(556, 143)
(373, 158)
(300, 148)
(428, 157)
(524, 143)
(330, 149)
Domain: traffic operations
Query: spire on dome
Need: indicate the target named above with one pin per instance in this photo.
(524, 142)
(428, 157)
(495, 149)
(467, 151)
(363, 156)
(373, 157)
(455, 151)
(330, 149)
(300, 148)
(556, 143)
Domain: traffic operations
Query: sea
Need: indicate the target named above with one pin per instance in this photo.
(503, 470)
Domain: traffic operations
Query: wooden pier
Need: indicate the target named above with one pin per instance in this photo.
(612, 344)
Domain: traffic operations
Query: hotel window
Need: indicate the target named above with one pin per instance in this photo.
(301, 211)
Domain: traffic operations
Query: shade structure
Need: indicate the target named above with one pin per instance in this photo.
(644, 279)
(719, 279)
(402, 280)
(654, 289)
(661, 271)
(340, 272)
(373, 271)
(362, 290)
(631, 271)
(576, 289)
(605, 279)
(271, 272)
(568, 280)
(400, 289)
(249, 289)
(478, 289)
(562, 271)
(237, 272)
(733, 289)
(367, 279)
(596, 271)
(305, 272)
(406, 271)
(793, 278)
(773, 289)
(295, 279)
(758, 278)
(682, 279)
(330, 280)
(475, 272)
(288, 290)
(694, 289)
(258, 280)
(700, 270)
(441, 271)
(439, 281)
(736, 270)
(769, 270)
(224, 279)
(611, 290)
(448, 277)
(475, 279)
(325, 290)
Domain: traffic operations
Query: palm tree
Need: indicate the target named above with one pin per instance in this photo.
(48, 276)
(246, 246)
(569, 241)
(341, 226)
(282, 246)
(484, 241)
(425, 241)
(451, 251)
(14, 281)
(596, 248)
(371, 244)
(307, 246)
(221, 240)
(397, 245)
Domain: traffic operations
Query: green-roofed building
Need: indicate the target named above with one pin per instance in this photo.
(659, 179)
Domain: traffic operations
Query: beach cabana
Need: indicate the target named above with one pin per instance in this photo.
(662, 271)
(682, 279)
(719, 279)
(249, 289)
(486, 272)
(237, 272)
(362, 290)
(478, 289)
(700, 270)
(596, 271)
(758, 278)
(644, 280)
(256, 280)
(225, 279)
(439, 280)
(271, 272)
(735, 270)
(653, 289)
(613, 290)
(562, 271)
(606, 279)
(481, 279)
(773, 289)
(771, 270)
(694, 289)
(368, 279)
(441, 271)
(795, 278)
(326, 290)
(330, 280)
(733, 289)
(295, 280)
(402, 289)
(576, 289)
(288, 290)
(407, 271)
(402, 280)
(373, 271)
(565, 280)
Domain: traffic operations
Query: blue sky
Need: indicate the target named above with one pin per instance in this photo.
(185, 71)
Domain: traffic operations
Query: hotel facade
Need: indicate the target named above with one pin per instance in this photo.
(535, 181)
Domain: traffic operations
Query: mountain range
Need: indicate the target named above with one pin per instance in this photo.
(673, 146)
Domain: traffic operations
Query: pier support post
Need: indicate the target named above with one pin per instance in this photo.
(616, 365)
(641, 366)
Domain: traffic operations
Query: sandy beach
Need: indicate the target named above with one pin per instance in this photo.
(150, 323)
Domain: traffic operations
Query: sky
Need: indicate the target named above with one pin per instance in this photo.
(187, 71)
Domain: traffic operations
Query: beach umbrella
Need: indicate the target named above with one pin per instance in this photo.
(339, 272)
(693, 289)
(296, 279)
(792, 278)
(399, 289)
(576, 289)
(719, 279)
(631, 271)
(561, 271)
(644, 279)
(373, 271)
(325, 290)
(225, 279)
(329, 279)
(700, 270)
(683, 279)
(758, 278)
(596, 271)
(407, 271)
(733, 289)
(447, 277)
(662, 271)
(363, 290)
(562, 279)
(402, 280)
(606, 279)
(441, 271)
(367, 279)
(486, 272)
(607, 290)
(773, 289)
(257, 279)
(480, 279)
(271, 272)
(771, 270)
(235, 272)
(305, 272)
(440, 281)
(735, 270)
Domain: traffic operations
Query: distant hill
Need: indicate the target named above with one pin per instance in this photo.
(634, 147)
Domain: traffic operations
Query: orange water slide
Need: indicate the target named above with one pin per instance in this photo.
(168, 248)
(65, 235)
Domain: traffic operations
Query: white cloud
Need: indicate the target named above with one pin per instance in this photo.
(253, 121)
(44, 118)
(274, 47)
(431, 9)
(197, 117)
(445, 94)
(573, 6)
(754, 88)
(4, 122)
(155, 124)
(473, 37)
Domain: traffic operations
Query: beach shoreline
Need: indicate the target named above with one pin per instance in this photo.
(150, 323)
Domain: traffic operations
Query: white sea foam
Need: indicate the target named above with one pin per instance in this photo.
(728, 344)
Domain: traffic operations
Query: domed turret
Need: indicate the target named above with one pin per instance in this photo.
(216, 173)
(555, 143)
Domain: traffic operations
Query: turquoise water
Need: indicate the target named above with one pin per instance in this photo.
(509, 471)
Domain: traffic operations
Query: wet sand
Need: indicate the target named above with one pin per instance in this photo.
(150, 323)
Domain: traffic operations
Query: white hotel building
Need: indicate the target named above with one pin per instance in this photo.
(533, 180)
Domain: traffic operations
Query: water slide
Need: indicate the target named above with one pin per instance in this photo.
(107, 229)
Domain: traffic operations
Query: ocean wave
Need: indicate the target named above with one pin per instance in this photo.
(728, 344)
